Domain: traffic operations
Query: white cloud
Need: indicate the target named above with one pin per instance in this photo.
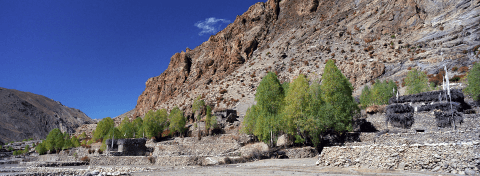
(211, 25)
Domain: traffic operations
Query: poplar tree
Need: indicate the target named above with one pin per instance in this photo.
(269, 97)
(337, 94)
(296, 104)
(177, 120)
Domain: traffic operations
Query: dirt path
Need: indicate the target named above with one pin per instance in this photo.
(279, 167)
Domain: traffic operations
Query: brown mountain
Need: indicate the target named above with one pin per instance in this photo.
(368, 39)
(26, 115)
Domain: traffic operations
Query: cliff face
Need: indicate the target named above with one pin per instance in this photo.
(368, 39)
(26, 115)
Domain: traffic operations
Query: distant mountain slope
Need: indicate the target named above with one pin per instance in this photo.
(26, 115)
(368, 39)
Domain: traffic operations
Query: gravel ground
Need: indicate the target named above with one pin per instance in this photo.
(277, 167)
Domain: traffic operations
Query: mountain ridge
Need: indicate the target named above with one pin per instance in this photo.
(27, 115)
(368, 39)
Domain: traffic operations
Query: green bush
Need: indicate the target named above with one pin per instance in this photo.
(380, 93)
(27, 149)
(138, 127)
(177, 121)
(416, 82)
(473, 87)
(40, 148)
(83, 135)
(10, 148)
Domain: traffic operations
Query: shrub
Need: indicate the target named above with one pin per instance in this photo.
(27, 149)
(438, 78)
(456, 78)
(416, 82)
(463, 69)
(473, 87)
(83, 135)
(85, 159)
(10, 148)
(380, 93)
(454, 68)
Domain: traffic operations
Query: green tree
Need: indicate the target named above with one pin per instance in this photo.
(59, 141)
(103, 127)
(365, 97)
(416, 82)
(198, 106)
(317, 120)
(75, 142)
(250, 120)
(151, 124)
(380, 93)
(269, 97)
(295, 110)
(26, 149)
(138, 126)
(41, 148)
(126, 128)
(113, 133)
(67, 141)
(177, 121)
(473, 87)
(210, 121)
(337, 94)
(50, 141)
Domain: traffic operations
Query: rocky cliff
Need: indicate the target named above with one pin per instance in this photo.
(26, 115)
(369, 40)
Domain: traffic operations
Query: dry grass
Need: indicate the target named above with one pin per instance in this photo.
(85, 159)
(463, 69)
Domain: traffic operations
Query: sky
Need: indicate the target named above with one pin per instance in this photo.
(97, 55)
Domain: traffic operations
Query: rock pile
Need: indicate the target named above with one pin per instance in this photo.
(453, 158)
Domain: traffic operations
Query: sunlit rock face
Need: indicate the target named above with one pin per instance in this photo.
(368, 39)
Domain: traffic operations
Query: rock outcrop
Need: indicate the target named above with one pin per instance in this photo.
(26, 115)
(368, 39)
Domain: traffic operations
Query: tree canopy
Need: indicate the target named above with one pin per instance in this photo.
(103, 127)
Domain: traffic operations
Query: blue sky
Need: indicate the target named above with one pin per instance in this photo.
(97, 55)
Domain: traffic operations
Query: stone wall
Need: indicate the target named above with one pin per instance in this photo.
(453, 158)
(120, 160)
